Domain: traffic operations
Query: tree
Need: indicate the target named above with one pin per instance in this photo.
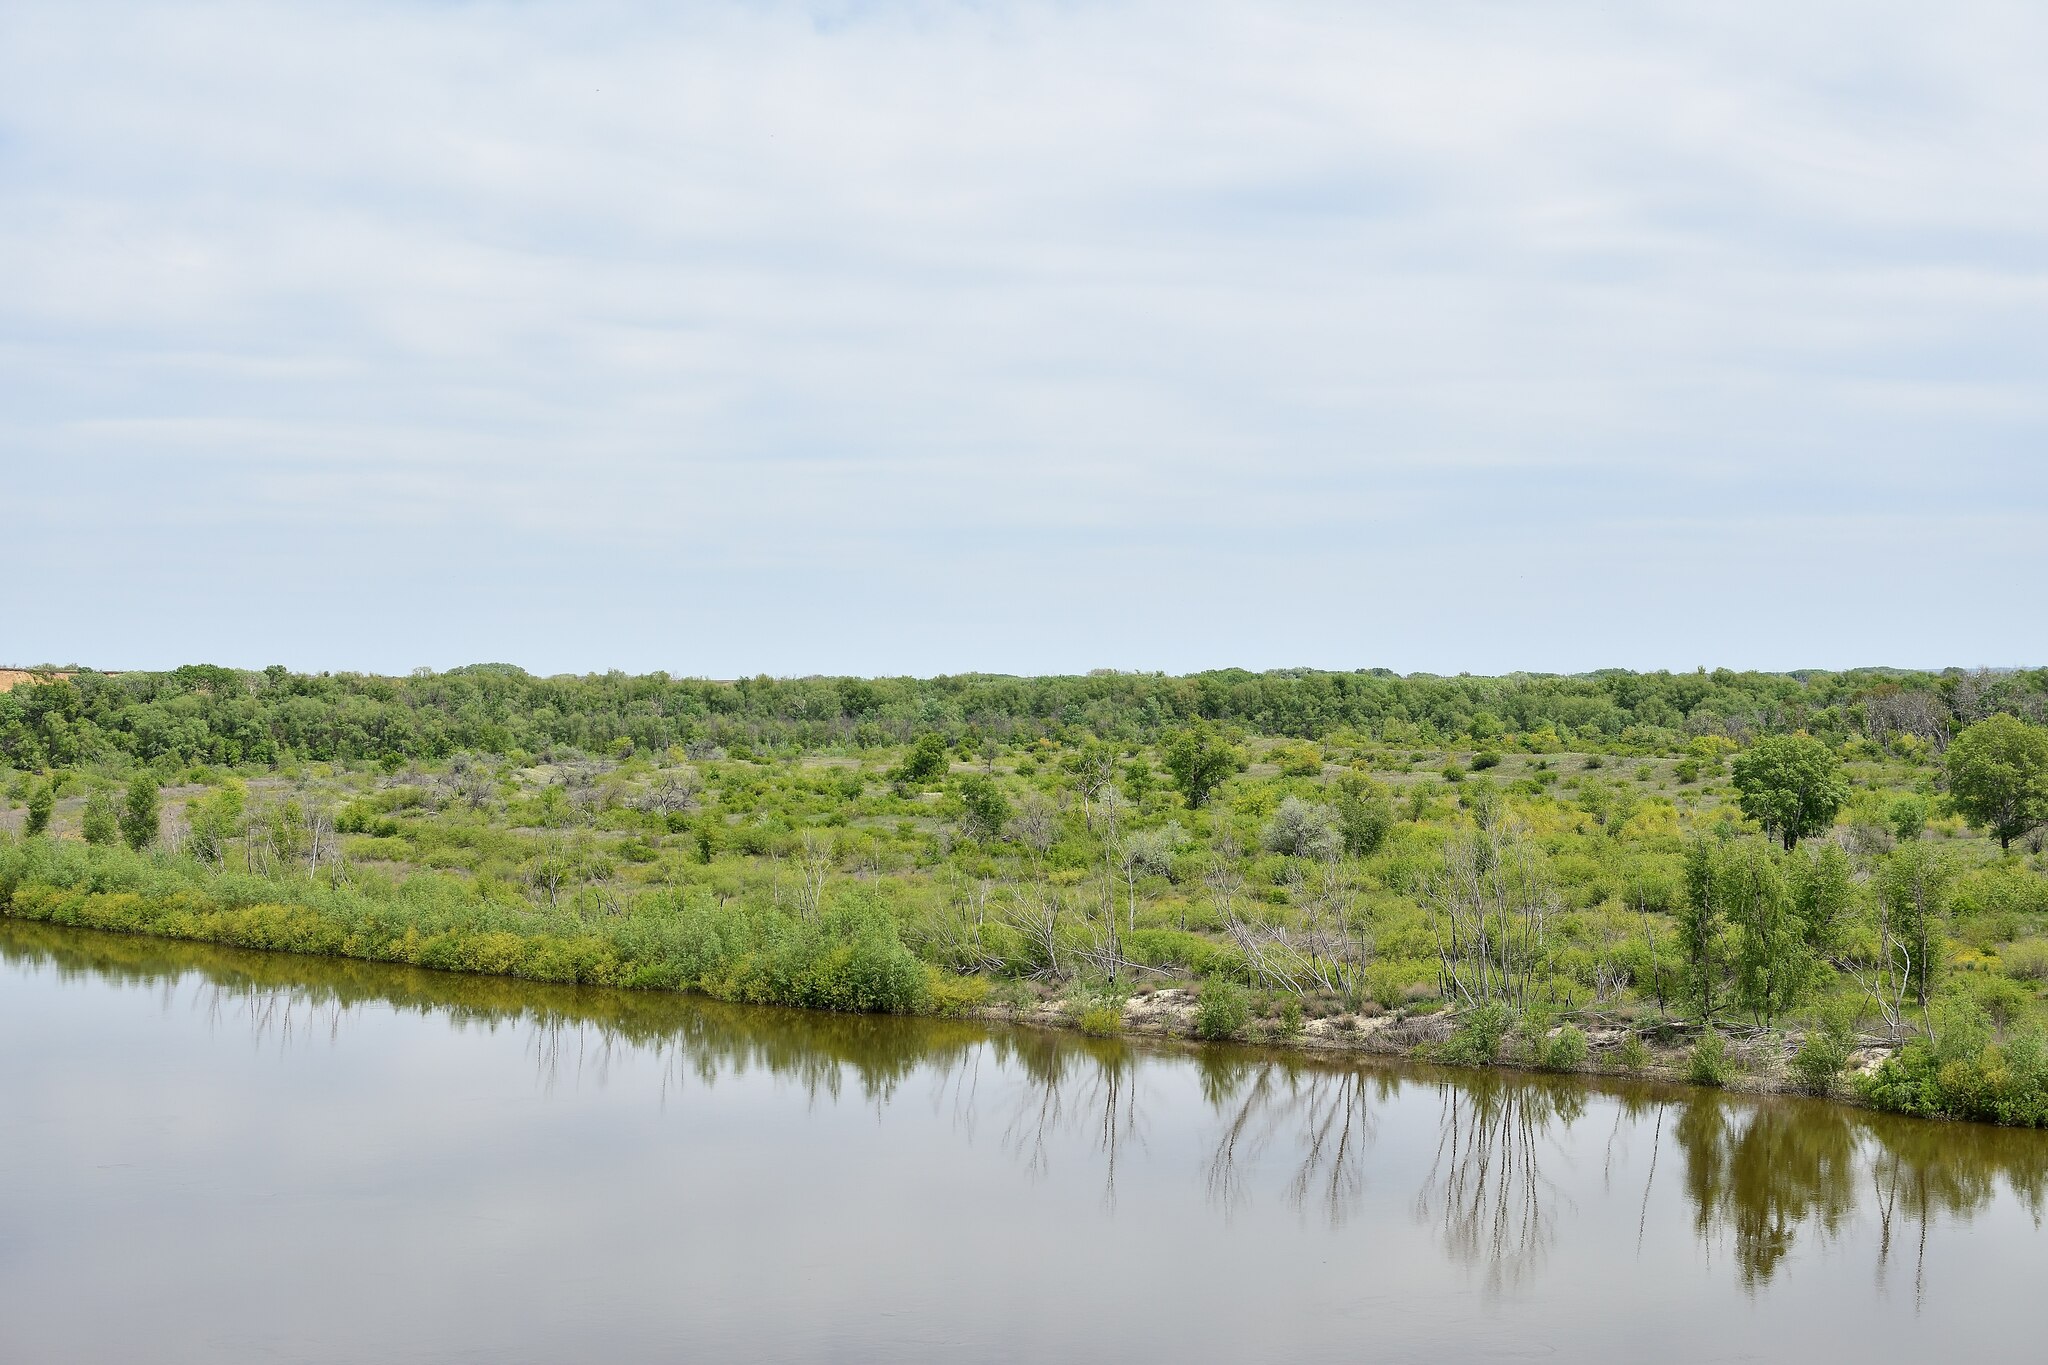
(1364, 813)
(42, 800)
(139, 814)
(1300, 829)
(1823, 893)
(926, 761)
(1773, 962)
(101, 825)
(1700, 939)
(212, 821)
(1489, 910)
(987, 810)
(1998, 776)
(1912, 905)
(1198, 759)
(1792, 785)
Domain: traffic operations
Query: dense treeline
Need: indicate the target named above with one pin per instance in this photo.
(206, 714)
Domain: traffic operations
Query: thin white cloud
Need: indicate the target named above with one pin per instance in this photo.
(1117, 312)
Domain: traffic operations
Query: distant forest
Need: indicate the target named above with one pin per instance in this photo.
(208, 714)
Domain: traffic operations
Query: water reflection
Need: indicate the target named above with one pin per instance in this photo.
(1487, 1190)
(1758, 1178)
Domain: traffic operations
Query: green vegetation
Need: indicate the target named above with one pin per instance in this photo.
(1222, 1011)
(1622, 859)
(1709, 1062)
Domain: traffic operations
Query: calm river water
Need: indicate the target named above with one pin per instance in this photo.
(217, 1156)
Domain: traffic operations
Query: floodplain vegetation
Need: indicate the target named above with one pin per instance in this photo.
(1830, 882)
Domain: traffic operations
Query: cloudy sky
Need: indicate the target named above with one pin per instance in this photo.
(915, 337)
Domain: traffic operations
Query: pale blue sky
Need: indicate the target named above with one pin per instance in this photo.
(919, 337)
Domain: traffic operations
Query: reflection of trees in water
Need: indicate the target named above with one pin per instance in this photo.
(1069, 1085)
(1757, 1174)
(1486, 1189)
(1319, 1114)
(1766, 1172)
(1920, 1171)
(1763, 1176)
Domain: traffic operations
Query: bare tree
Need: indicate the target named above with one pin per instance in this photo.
(673, 793)
(1034, 912)
(1489, 907)
(1035, 823)
(814, 863)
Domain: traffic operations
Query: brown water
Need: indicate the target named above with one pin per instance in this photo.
(218, 1156)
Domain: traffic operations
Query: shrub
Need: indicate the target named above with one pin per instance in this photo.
(102, 824)
(1484, 759)
(1710, 1063)
(1299, 760)
(2026, 960)
(1100, 1018)
(1632, 1055)
(1222, 1011)
(1479, 1036)
(1564, 1050)
(1907, 816)
(1301, 829)
(1817, 1066)
(42, 799)
(926, 761)
(1966, 1073)
(2004, 999)
(951, 994)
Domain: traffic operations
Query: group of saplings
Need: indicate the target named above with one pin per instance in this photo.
(133, 820)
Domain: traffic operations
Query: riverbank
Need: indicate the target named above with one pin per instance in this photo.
(1159, 1014)
(851, 952)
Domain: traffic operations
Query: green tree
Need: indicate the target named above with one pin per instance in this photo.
(1701, 918)
(102, 823)
(1998, 776)
(1364, 813)
(1792, 785)
(42, 800)
(1773, 962)
(139, 813)
(1198, 760)
(987, 810)
(926, 761)
(1824, 893)
(213, 821)
(1912, 890)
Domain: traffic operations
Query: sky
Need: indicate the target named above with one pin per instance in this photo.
(856, 336)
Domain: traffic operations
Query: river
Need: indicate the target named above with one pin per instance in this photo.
(221, 1156)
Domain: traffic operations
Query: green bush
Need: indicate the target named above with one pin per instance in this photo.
(1823, 1054)
(2026, 960)
(1100, 1018)
(1564, 1050)
(1479, 1036)
(1222, 1011)
(42, 800)
(1710, 1063)
(1633, 1055)
(1967, 1072)
(101, 823)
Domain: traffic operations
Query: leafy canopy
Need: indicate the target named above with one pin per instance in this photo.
(1792, 785)
(1998, 776)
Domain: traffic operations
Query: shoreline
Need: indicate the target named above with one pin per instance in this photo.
(1163, 1015)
